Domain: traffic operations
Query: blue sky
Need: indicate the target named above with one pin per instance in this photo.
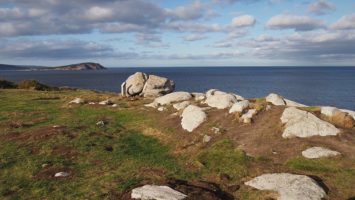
(135, 33)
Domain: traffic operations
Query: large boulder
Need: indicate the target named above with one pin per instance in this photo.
(146, 85)
(319, 152)
(220, 100)
(157, 86)
(192, 117)
(289, 186)
(299, 123)
(275, 99)
(173, 98)
(155, 192)
(239, 106)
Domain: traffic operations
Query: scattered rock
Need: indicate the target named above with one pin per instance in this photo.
(114, 105)
(239, 106)
(157, 86)
(100, 123)
(275, 99)
(318, 152)
(146, 85)
(161, 109)
(77, 101)
(289, 186)
(199, 96)
(106, 102)
(247, 117)
(299, 123)
(220, 100)
(329, 111)
(172, 98)
(182, 105)
(155, 192)
(206, 139)
(61, 174)
(216, 130)
(192, 117)
(293, 103)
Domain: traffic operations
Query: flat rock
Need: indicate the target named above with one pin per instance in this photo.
(220, 100)
(61, 174)
(192, 117)
(275, 99)
(289, 186)
(318, 152)
(299, 123)
(181, 105)
(172, 98)
(239, 106)
(155, 192)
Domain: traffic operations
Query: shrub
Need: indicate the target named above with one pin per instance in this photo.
(33, 85)
(4, 84)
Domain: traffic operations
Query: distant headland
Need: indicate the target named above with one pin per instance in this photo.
(72, 67)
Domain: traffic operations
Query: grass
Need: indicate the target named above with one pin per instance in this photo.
(105, 160)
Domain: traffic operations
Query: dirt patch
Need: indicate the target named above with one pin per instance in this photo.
(42, 132)
(195, 190)
(65, 151)
(49, 171)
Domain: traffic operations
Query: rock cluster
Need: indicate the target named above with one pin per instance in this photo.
(142, 84)
(289, 186)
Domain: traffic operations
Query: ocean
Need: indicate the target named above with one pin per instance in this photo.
(333, 86)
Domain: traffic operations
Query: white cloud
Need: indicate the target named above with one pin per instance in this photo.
(187, 12)
(194, 37)
(243, 20)
(98, 13)
(321, 7)
(299, 23)
(345, 22)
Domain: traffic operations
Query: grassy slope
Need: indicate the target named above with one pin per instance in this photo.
(133, 147)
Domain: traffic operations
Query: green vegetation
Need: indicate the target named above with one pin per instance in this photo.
(33, 85)
(4, 84)
(41, 134)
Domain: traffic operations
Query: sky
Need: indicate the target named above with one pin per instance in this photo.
(167, 33)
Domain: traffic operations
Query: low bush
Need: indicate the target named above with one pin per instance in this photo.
(4, 84)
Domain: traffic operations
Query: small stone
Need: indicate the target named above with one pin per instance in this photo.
(92, 103)
(61, 174)
(114, 105)
(206, 139)
(100, 123)
(77, 101)
(161, 109)
(216, 130)
(106, 102)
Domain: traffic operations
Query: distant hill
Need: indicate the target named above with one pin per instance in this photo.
(73, 67)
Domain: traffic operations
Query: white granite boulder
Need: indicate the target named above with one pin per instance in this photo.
(318, 152)
(77, 101)
(146, 85)
(220, 100)
(299, 123)
(329, 111)
(275, 99)
(181, 105)
(173, 98)
(239, 106)
(248, 116)
(155, 192)
(289, 186)
(291, 103)
(192, 117)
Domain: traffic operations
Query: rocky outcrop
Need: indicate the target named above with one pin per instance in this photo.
(146, 85)
(155, 192)
(220, 100)
(299, 123)
(319, 152)
(289, 186)
(173, 98)
(275, 99)
(192, 117)
(239, 106)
